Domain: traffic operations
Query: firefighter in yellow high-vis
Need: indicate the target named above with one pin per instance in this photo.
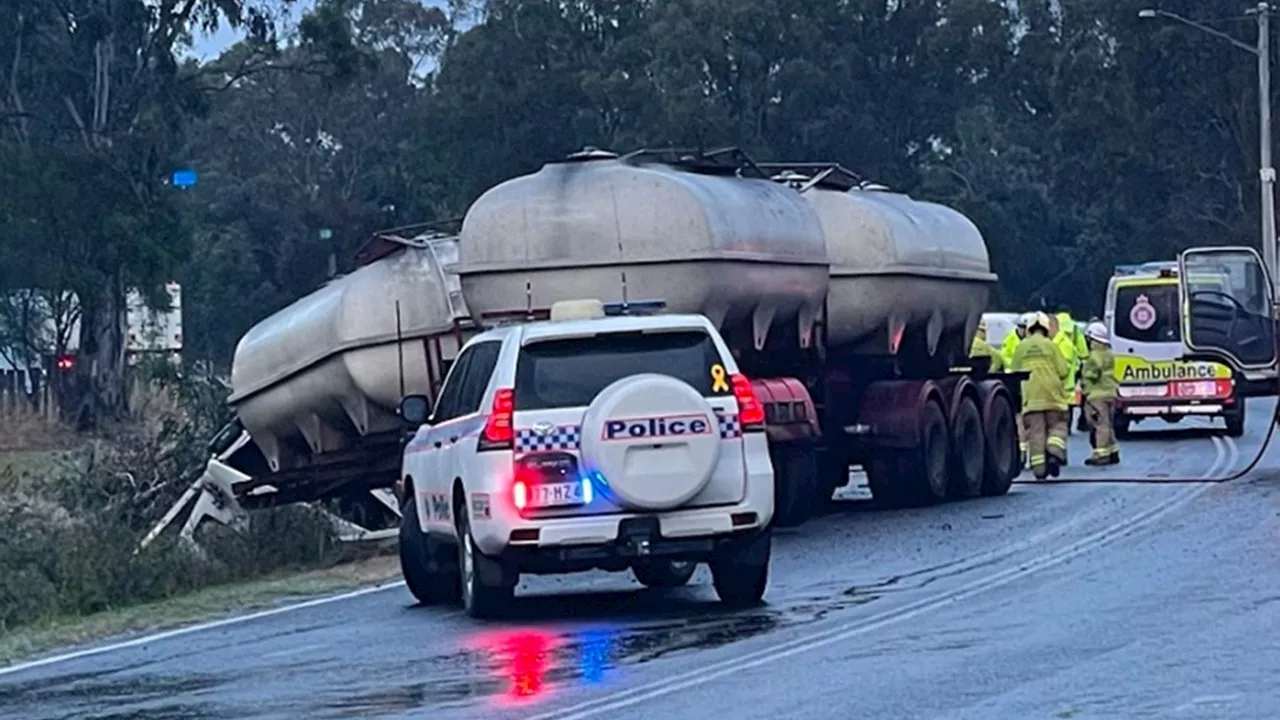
(1071, 344)
(1100, 387)
(1007, 349)
(1044, 404)
(982, 348)
(1011, 340)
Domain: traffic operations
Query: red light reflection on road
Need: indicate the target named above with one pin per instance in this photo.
(523, 657)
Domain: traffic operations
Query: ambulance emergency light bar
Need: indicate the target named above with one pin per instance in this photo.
(1161, 268)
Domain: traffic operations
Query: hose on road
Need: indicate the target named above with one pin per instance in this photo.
(1257, 458)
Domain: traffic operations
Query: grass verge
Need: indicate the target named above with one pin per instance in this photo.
(209, 603)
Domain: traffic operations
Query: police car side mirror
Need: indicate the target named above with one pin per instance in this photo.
(414, 409)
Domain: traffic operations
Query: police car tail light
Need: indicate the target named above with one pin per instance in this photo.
(750, 411)
(520, 494)
(498, 433)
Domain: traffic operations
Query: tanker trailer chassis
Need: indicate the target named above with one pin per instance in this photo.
(316, 384)
(920, 440)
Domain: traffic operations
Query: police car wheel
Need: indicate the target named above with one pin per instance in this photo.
(425, 568)
(486, 589)
(740, 574)
(664, 573)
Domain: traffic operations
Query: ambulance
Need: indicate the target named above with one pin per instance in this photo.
(1157, 380)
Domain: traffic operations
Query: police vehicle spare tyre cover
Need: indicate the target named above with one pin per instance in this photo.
(655, 440)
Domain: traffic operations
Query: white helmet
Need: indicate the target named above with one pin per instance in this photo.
(1025, 319)
(1097, 332)
(1040, 320)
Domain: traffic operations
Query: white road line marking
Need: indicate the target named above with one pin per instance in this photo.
(178, 632)
(1234, 451)
(849, 630)
(1218, 456)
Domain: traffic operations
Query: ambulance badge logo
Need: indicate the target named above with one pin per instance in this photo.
(1143, 314)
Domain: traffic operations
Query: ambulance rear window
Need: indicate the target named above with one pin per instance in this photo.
(570, 373)
(1148, 313)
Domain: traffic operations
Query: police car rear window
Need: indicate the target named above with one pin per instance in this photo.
(1148, 313)
(570, 373)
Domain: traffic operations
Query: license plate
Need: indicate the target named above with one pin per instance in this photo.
(1202, 389)
(556, 494)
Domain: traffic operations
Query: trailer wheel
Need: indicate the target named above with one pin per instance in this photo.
(795, 481)
(930, 462)
(1235, 420)
(1004, 461)
(1120, 426)
(968, 450)
(882, 479)
(427, 571)
(899, 478)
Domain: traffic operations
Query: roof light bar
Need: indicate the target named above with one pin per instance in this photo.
(634, 307)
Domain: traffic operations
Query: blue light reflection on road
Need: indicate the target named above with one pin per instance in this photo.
(528, 659)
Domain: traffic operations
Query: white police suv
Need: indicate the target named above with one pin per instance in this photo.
(590, 440)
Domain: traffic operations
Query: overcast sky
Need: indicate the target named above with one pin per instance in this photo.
(208, 47)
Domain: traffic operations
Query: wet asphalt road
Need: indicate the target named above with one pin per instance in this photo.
(1072, 600)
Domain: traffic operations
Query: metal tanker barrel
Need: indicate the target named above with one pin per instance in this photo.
(326, 370)
(744, 252)
(899, 266)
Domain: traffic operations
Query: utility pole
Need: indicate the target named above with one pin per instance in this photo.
(1266, 172)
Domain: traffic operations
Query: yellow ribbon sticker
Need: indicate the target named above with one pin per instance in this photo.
(719, 381)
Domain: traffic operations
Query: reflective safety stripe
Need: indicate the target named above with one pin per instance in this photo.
(1023, 446)
(1036, 461)
(1102, 452)
(1057, 442)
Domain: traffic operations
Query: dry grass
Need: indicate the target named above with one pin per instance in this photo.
(28, 431)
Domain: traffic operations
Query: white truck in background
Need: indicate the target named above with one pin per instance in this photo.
(52, 328)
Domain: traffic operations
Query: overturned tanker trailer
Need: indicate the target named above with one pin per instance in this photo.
(851, 307)
(315, 387)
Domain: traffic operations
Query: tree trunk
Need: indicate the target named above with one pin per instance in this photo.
(98, 384)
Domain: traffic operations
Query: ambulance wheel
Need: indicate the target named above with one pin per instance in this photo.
(1120, 426)
(1235, 420)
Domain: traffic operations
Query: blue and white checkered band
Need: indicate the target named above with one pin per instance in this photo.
(569, 437)
(729, 426)
(561, 437)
